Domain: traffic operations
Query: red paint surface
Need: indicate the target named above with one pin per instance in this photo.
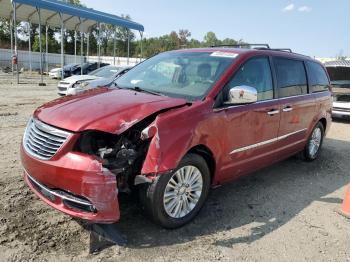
(109, 110)
(78, 174)
(178, 131)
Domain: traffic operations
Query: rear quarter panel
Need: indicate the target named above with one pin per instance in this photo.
(324, 107)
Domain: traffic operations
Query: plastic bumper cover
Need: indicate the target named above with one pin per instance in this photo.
(75, 184)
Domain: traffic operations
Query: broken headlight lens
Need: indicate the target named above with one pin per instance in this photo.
(148, 132)
(116, 152)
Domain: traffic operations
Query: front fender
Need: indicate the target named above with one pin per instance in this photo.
(166, 150)
(177, 132)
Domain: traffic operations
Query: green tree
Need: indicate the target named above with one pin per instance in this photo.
(53, 45)
(4, 33)
(340, 56)
(194, 43)
(174, 40)
(123, 34)
(184, 34)
(229, 41)
(210, 39)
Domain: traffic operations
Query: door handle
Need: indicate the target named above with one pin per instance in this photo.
(273, 112)
(287, 109)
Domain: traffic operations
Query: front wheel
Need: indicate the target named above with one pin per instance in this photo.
(314, 143)
(175, 198)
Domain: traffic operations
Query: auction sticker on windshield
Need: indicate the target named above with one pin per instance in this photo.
(224, 54)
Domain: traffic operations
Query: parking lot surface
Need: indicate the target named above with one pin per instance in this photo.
(287, 212)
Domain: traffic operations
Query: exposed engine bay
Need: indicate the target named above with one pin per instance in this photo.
(122, 154)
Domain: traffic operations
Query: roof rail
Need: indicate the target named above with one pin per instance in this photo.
(243, 45)
(256, 46)
(277, 49)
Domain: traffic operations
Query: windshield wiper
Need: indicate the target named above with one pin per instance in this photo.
(139, 89)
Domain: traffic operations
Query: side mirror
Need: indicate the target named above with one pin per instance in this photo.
(241, 95)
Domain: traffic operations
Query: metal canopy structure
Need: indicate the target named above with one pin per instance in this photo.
(73, 16)
(338, 63)
(58, 14)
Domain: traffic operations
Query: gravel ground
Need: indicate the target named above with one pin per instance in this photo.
(287, 212)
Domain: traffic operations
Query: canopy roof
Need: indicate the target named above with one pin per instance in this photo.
(338, 63)
(74, 17)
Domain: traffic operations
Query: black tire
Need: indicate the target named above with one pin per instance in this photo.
(307, 154)
(151, 195)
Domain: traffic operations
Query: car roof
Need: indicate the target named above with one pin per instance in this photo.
(252, 51)
(71, 65)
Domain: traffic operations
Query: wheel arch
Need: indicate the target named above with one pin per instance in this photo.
(207, 155)
(324, 123)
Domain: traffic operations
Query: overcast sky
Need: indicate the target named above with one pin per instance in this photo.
(312, 27)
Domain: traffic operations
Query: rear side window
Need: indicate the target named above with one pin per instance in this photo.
(291, 77)
(318, 78)
(255, 73)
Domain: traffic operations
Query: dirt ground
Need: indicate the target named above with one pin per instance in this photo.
(287, 212)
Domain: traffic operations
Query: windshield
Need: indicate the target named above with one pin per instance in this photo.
(86, 65)
(106, 71)
(188, 75)
(70, 66)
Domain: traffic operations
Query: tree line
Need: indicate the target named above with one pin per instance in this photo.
(151, 46)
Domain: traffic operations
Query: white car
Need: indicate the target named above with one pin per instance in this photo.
(71, 81)
(55, 73)
(339, 73)
(79, 83)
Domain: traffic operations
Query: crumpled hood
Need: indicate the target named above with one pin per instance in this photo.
(104, 109)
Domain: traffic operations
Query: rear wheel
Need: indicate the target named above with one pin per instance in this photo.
(314, 143)
(175, 198)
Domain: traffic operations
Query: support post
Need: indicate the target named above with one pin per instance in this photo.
(128, 46)
(87, 46)
(114, 44)
(30, 47)
(141, 35)
(40, 50)
(99, 45)
(75, 46)
(62, 43)
(15, 34)
(11, 36)
(47, 49)
(81, 51)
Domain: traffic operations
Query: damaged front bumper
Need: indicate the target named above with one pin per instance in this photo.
(75, 184)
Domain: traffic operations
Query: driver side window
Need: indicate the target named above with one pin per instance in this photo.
(255, 73)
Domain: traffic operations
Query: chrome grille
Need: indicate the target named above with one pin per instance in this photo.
(43, 141)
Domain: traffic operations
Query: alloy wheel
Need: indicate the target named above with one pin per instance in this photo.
(183, 191)
(315, 141)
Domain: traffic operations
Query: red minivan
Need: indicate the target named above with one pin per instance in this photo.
(174, 126)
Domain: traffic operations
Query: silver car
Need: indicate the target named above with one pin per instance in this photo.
(102, 77)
